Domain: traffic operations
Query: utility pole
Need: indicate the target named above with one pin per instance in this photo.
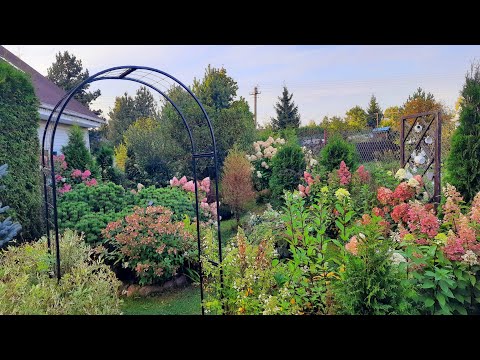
(255, 93)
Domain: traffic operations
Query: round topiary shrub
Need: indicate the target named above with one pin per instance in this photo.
(336, 150)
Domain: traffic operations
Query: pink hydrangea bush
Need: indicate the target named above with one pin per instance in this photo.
(65, 180)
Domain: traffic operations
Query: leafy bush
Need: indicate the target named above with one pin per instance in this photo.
(336, 150)
(149, 243)
(464, 160)
(19, 147)
(8, 228)
(26, 286)
(288, 166)
(371, 283)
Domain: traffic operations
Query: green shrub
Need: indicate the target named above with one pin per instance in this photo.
(463, 164)
(173, 198)
(19, 147)
(26, 286)
(371, 283)
(288, 166)
(89, 209)
(336, 150)
(76, 153)
(8, 228)
(151, 244)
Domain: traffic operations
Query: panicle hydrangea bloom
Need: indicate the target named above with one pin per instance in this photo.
(344, 174)
(363, 174)
(451, 208)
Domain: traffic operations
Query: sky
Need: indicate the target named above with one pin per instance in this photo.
(325, 80)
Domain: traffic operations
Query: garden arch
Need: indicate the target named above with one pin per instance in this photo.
(154, 79)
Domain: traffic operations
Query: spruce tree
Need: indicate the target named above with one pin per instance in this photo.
(372, 111)
(463, 165)
(287, 112)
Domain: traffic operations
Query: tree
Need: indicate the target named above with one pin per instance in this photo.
(8, 228)
(216, 89)
(127, 110)
(76, 153)
(19, 147)
(67, 72)
(237, 185)
(356, 118)
(419, 102)
(463, 164)
(334, 124)
(391, 117)
(231, 119)
(287, 112)
(373, 112)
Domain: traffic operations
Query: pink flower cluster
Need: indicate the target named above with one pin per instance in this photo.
(363, 174)
(305, 190)
(203, 186)
(475, 210)
(402, 193)
(344, 174)
(463, 240)
(75, 176)
(352, 245)
(79, 174)
(65, 188)
(59, 162)
(451, 208)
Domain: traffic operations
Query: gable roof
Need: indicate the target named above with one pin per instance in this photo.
(46, 91)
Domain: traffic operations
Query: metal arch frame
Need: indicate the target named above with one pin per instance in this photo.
(62, 103)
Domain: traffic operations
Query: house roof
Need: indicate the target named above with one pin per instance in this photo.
(46, 91)
(381, 129)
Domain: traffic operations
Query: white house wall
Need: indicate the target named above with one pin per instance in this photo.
(61, 136)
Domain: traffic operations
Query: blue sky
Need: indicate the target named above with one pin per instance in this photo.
(325, 80)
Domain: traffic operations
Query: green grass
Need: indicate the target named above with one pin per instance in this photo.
(185, 301)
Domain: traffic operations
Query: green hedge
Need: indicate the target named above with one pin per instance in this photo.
(19, 148)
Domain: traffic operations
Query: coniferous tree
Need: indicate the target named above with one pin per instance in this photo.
(67, 72)
(373, 111)
(287, 112)
(76, 152)
(463, 163)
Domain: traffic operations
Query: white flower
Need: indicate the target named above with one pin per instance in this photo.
(470, 258)
(401, 174)
(413, 182)
(259, 155)
(252, 168)
(248, 157)
(259, 174)
(396, 258)
(313, 162)
(264, 164)
(253, 158)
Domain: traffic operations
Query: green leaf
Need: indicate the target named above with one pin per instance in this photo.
(429, 302)
(446, 290)
(427, 285)
(275, 262)
(441, 299)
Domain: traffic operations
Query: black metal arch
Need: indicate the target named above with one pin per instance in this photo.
(152, 78)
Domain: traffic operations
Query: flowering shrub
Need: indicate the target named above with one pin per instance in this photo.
(209, 209)
(149, 243)
(264, 151)
(65, 179)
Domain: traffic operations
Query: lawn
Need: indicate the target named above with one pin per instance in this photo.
(185, 301)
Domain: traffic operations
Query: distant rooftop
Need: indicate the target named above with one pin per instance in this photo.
(381, 129)
(46, 91)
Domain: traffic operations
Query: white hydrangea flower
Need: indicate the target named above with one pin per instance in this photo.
(253, 158)
(259, 174)
(470, 258)
(264, 164)
(313, 162)
(259, 155)
(413, 182)
(396, 258)
(401, 174)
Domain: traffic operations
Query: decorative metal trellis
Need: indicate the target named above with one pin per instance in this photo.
(420, 149)
(202, 147)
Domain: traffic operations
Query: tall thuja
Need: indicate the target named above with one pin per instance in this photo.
(463, 163)
(76, 152)
(19, 147)
(8, 228)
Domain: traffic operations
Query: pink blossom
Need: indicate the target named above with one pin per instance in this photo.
(400, 212)
(403, 192)
(175, 182)
(384, 195)
(205, 185)
(189, 186)
(76, 173)
(475, 211)
(378, 212)
(366, 219)
(307, 190)
(451, 208)
(363, 174)
(419, 179)
(308, 178)
(344, 174)
(86, 174)
(65, 188)
(183, 180)
(352, 245)
(301, 188)
(58, 177)
(91, 182)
